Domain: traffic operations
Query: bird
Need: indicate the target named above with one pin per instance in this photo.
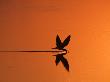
(60, 57)
(60, 45)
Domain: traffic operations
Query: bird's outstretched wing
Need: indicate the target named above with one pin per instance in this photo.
(57, 60)
(58, 42)
(65, 63)
(66, 41)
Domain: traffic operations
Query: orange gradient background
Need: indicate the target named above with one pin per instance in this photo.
(34, 24)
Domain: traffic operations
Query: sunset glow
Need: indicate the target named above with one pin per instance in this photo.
(34, 24)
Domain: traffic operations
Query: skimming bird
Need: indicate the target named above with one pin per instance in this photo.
(59, 57)
(60, 46)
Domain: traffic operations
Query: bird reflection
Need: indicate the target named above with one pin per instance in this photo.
(60, 57)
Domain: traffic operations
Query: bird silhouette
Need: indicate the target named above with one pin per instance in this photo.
(60, 57)
(60, 45)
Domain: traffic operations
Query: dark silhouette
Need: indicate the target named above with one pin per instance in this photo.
(59, 57)
(60, 45)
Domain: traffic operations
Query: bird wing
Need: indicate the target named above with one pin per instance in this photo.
(65, 63)
(57, 60)
(66, 41)
(58, 42)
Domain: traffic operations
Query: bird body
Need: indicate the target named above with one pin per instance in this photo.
(60, 45)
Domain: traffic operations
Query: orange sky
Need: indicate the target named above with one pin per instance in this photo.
(34, 24)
